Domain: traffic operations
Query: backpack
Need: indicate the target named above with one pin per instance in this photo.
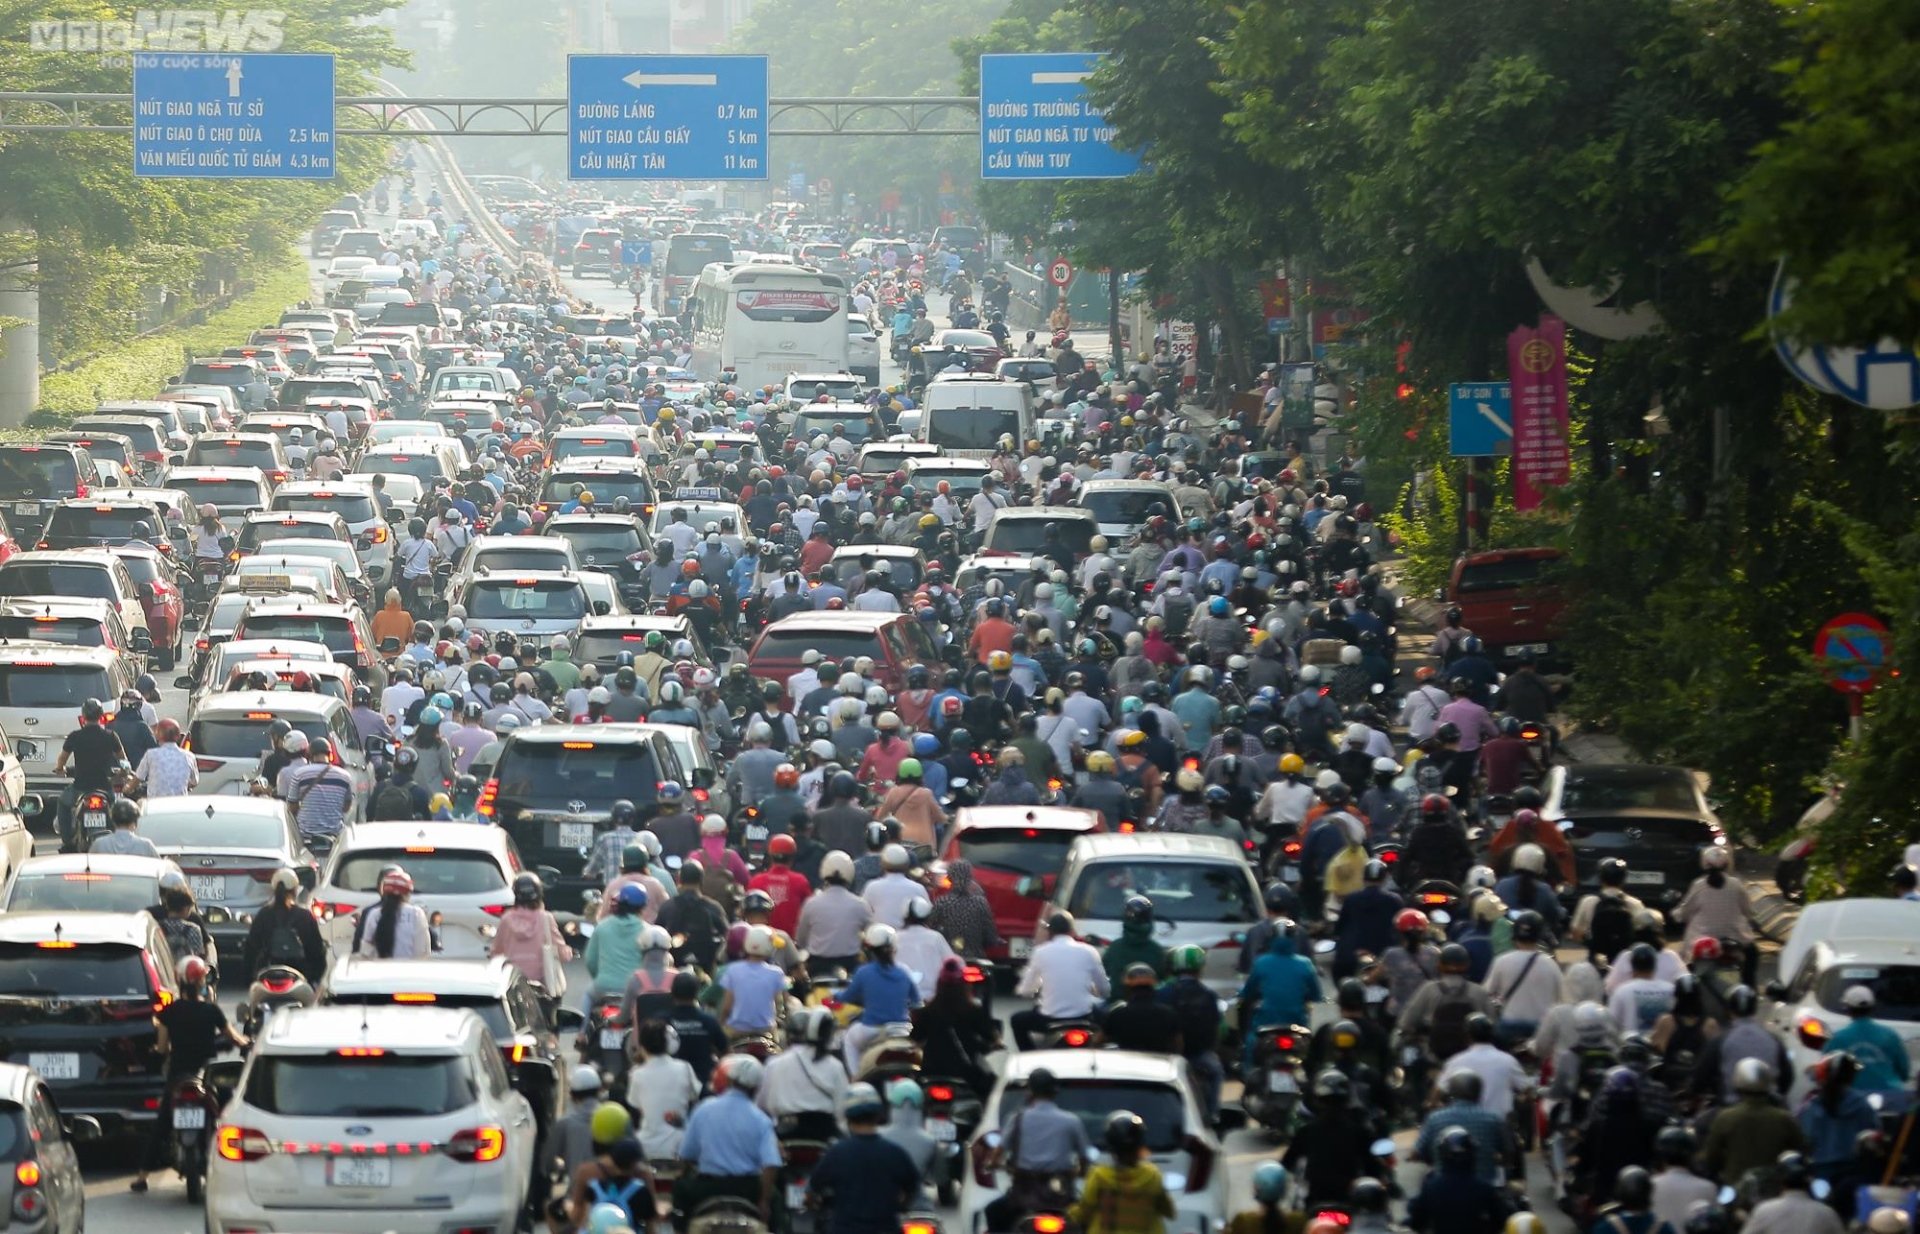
(1612, 929)
(393, 803)
(1198, 1009)
(284, 946)
(1447, 1031)
(1178, 611)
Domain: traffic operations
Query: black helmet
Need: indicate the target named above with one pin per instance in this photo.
(1741, 1001)
(844, 787)
(1332, 1085)
(124, 813)
(1636, 1050)
(1528, 926)
(277, 730)
(1464, 1085)
(1447, 732)
(500, 692)
(1126, 1132)
(1454, 958)
(1369, 1195)
(1375, 871)
(959, 739)
(1706, 1217)
(876, 831)
(1527, 797)
(1644, 956)
(1479, 1029)
(1280, 898)
(633, 859)
(527, 888)
(1138, 908)
(1510, 727)
(92, 709)
(1455, 1145)
(1352, 995)
(1613, 872)
(1633, 1188)
(1336, 794)
(622, 814)
(362, 696)
(1792, 1169)
(1676, 1144)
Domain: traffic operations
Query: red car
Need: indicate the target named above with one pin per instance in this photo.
(1017, 854)
(1509, 597)
(982, 349)
(155, 574)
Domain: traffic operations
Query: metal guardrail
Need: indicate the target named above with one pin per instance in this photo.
(378, 115)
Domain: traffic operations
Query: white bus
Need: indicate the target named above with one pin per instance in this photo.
(764, 322)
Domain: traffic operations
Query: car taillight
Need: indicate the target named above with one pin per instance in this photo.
(700, 795)
(235, 1143)
(27, 1173)
(487, 796)
(379, 535)
(29, 1204)
(79, 490)
(327, 910)
(478, 1144)
(208, 764)
(495, 910)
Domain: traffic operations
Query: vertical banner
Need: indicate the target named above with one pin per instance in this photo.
(1296, 401)
(1537, 364)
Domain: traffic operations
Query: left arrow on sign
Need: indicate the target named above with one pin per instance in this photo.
(638, 80)
(233, 79)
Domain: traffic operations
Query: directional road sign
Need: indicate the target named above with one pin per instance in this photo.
(666, 117)
(1853, 650)
(1480, 417)
(264, 116)
(1036, 122)
(1060, 272)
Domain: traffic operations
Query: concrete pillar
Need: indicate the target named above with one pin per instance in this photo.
(19, 344)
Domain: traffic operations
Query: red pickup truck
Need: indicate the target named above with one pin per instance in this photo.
(1509, 599)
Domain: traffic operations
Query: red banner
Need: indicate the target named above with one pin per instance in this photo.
(1537, 366)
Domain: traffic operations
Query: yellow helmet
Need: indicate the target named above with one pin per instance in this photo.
(1292, 764)
(1033, 446)
(586, 497)
(1259, 636)
(1126, 421)
(1000, 661)
(1133, 738)
(1100, 761)
(666, 415)
(929, 521)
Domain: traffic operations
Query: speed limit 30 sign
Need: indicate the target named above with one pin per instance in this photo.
(1060, 273)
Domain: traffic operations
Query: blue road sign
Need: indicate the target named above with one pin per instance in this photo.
(1036, 122)
(666, 117)
(264, 116)
(1480, 418)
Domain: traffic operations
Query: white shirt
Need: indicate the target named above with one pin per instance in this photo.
(1525, 998)
(982, 508)
(1421, 712)
(877, 601)
(682, 536)
(1285, 801)
(921, 952)
(658, 1087)
(1067, 975)
(1638, 1003)
(797, 1083)
(1501, 1077)
(394, 700)
(889, 895)
(803, 683)
(1669, 969)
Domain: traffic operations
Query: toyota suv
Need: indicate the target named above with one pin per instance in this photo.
(33, 477)
(555, 785)
(1509, 599)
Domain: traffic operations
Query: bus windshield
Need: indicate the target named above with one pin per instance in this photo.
(687, 255)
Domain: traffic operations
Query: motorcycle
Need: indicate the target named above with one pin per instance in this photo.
(953, 1112)
(753, 838)
(802, 1155)
(892, 1054)
(1274, 1082)
(607, 1047)
(1439, 900)
(277, 986)
(1070, 1035)
(89, 820)
(197, 1102)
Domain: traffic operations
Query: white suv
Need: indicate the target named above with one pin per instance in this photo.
(347, 1118)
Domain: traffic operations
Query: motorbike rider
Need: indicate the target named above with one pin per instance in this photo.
(284, 932)
(1066, 979)
(804, 1081)
(1884, 1065)
(1136, 944)
(1527, 887)
(1411, 963)
(1437, 846)
(1127, 1194)
(963, 916)
(1141, 1022)
(883, 990)
(1197, 1012)
(90, 753)
(1751, 1132)
(1794, 1210)
(189, 1032)
(1491, 1138)
(1043, 1149)
(1333, 1148)
(1279, 991)
(1527, 827)
(1454, 1198)
(1676, 1188)
(731, 1145)
(1438, 1014)
(1717, 1072)
(1524, 981)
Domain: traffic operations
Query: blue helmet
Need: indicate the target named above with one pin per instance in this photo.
(925, 744)
(431, 716)
(1217, 606)
(632, 896)
(1269, 1182)
(1218, 793)
(607, 1218)
(671, 790)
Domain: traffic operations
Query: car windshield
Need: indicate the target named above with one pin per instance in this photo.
(82, 891)
(1033, 536)
(44, 578)
(832, 644)
(465, 381)
(1180, 890)
(385, 1085)
(505, 600)
(85, 970)
(605, 486)
(499, 557)
(246, 737)
(905, 571)
(222, 494)
(603, 647)
(425, 468)
(687, 255)
(552, 774)
(491, 1011)
(1895, 987)
(301, 389)
(24, 683)
(855, 427)
(441, 872)
(66, 631)
(145, 434)
(601, 539)
(32, 472)
(970, 428)
(253, 535)
(212, 831)
(607, 446)
(1017, 850)
(1093, 1102)
(1502, 575)
(1654, 792)
(1127, 505)
(353, 507)
(217, 374)
(335, 632)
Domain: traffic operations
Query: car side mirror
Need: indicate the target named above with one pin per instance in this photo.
(32, 804)
(601, 608)
(548, 874)
(721, 655)
(140, 640)
(568, 1020)
(1030, 885)
(183, 682)
(375, 744)
(81, 1128)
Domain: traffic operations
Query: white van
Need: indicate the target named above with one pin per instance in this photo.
(967, 416)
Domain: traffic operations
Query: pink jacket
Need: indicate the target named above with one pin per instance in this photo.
(714, 848)
(523, 937)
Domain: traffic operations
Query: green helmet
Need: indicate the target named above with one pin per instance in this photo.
(655, 639)
(1190, 958)
(633, 859)
(909, 769)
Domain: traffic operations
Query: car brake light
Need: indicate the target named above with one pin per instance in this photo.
(203, 763)
(326, 910)
(27, 1173)
(495, 910)
(479, 1144)
(56, 944)
(488, 794)
(411, 997)
(361, 1051)
(235, 1143)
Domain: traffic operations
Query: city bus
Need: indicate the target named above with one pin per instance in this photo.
(764, 322)
(677, 263)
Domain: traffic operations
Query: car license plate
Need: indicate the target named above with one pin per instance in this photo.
(208, 886)
(1645, 876)
(943, 1130)
(1282, 1082)
(1020, 948)
(612, 1038)
(190, 1117)
(796, 1197)
(55, 1066)
(26, 507)
(576, 835)
(360, 1172)
(1526, 649)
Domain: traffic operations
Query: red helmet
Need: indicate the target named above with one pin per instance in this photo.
(786, 775)
(856, 480)
(1222, 549)
(1525, 817)
(1106, 426)
(1707, 948)
(1435, 805)
(193, 971)
(1256, 542)
(1410, 921)
(897, 478)
(950, 706)
(780, 848)
(396, 882)
(1286, 476)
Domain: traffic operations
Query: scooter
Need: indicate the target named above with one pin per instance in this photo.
(197, 1102)
(608, 1045)
(1273, 1085)
(953, 1112)
(90, 810)
(277, 986)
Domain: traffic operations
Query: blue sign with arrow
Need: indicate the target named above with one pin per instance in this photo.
(257, 116)
(1480, 419)
(666, 117)
(1037, 124)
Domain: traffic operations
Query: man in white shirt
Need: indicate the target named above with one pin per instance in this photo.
(1502, 1078)
(1421, 712)
(1525, 981)
(1643, 998)
(1066, 979)
(985, 502)
(889, 895)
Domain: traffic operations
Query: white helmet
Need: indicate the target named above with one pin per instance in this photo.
(759, 942)
(713, 825)
(600, 694)
(895, 857)
(836, 865)
(743, 1071)
(655, 938)
(877, 936)
(1481, 876)
(1326, 779)
(1350, 654)
(1530, 858)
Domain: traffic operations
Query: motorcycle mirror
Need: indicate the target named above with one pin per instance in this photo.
(1440, 917)
(1566, 825)
(1875, 1100)
(1093, 1154)
(1381, 1148)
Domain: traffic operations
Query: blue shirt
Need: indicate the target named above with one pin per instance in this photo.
(885, 993)
(756, 987)
(730, 1137)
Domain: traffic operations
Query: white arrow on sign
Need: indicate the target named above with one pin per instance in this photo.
(671, 79)
(1493, 418)
(1062, 79)
(233, 79)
